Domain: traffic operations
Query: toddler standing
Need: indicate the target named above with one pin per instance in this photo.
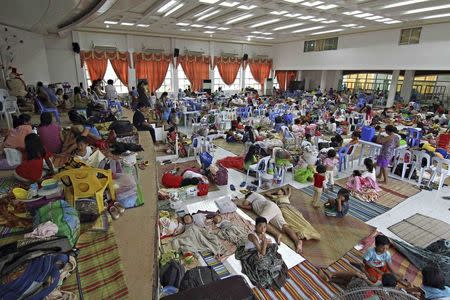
(330, 162)
(319, 182)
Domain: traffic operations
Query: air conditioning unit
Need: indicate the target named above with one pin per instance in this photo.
(104, 48)
(262, 56)
(268, 87)
(148, 50)
(194, 53)
(228, 54)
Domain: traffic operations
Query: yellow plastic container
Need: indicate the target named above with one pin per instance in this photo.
(20, 193)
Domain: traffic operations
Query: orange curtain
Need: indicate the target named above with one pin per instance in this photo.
(96, 68)
(152, 67)
(284, 78)
(121, 69)
(196, 69)
(260, 69)
(228, 68)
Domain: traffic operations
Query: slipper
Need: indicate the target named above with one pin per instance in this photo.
(114, 212)
(446, 197)
(232, 187)
(243, 183)
(119, 207)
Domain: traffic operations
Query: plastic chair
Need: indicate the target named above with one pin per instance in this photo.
(9, 107)
(418, 158)
(441, 168)
(86, 184)
(404, 157)
(264, 163)
(413, 137)
(42, 109)
(197, 145)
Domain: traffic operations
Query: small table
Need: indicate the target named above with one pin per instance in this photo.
(186, 113)
(374, 149)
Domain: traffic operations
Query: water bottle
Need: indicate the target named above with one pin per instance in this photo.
(33, 191)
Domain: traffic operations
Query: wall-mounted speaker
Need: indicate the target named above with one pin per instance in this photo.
(176, 52)
(245, 57)
(76, 47)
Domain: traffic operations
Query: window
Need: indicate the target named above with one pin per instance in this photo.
(250, 81)
(367, 82)
(167, 83)
(321, 45)
(110, 74)
(410, 36)
(183, 82)
(218, 82)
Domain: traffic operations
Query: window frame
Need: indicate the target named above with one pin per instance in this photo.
(408, 34)
(218, 81)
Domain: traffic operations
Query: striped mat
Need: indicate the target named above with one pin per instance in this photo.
(216, 264)
(100, 267)
(303, 283)
(364, 211)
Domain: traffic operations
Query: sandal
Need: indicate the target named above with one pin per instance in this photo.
(232, 187)
(114, 212)
(119, 207)
(143, 164)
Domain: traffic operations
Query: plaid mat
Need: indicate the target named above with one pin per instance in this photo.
(235, 148)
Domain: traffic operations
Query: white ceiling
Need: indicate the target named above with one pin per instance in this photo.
(305, 14)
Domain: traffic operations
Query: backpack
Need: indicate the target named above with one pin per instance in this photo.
(198, 276)
(172, 274)
(221, 177)
(121, 127)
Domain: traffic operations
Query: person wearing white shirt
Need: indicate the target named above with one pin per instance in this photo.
(111, 93)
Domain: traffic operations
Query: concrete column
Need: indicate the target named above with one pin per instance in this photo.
(81, 74)
(407, 86)
(323, 81)
(393, 88)
(174, 70)
(300, 75)
(242, 85)
(337, 79)
(131, 69)
(211, 69)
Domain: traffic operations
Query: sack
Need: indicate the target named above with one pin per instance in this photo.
(87, 208)
(64, 216)
(198, 276)
(221, 176)
(303, 175)
(367, 133)
(172, 274)
(122, 127)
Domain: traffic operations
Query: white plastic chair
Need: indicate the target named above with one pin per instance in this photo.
(441, 169)
(260, 174)
(404, 157)
(197, 146)
(9, 107)
(417, 162)
(350, 155)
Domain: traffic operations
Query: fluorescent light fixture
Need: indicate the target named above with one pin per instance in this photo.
(143, 25)
(174, 9)
(293, 1)
(374, 18)
(127, 24)
(306, 17)
(308, 29)
(209, 15)
(425, 9)
(329, 22)
(107, 26)
(203, 12)
(183, 24)
(229, 4)
(256, 32)
(327, 6)
(349, 25)
(210, 27)
(288, 26)
(249, 38)
(351, 13)
(279, 13)
(210, 32)
(166, 6)
(436, 16)
(267, 33)
(358, 27)
(393, 22)
(403, 3)
(384, 20)
(111, 22)
(268, 38)
(364, 15)
(209, 1)
(247, 7)
(318, 19)
(293, 15)
(197, 25)
(223, 28)
(265, 23)
(312, 3)
(327, 31)
(240, 18)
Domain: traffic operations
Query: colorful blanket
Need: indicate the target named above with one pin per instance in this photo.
(100, 267)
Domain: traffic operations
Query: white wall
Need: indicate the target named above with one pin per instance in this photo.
(377, 50)
(61, 59)
(30, 57)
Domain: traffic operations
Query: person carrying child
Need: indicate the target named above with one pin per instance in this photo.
(319, 182)
(340, 206)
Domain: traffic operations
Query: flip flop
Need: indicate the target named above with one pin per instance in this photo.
(243, 183)
(232, 187)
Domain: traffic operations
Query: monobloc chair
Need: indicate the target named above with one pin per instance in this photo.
(261, 170)
(441, 168)
(404, 157)
(420, 162)
(52, 110)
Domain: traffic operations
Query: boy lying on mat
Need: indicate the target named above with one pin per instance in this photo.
(272, 213)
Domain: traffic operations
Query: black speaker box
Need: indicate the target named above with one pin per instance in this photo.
(76, 47)
(176, 52)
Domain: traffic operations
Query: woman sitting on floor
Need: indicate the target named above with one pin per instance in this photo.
(50, 133)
